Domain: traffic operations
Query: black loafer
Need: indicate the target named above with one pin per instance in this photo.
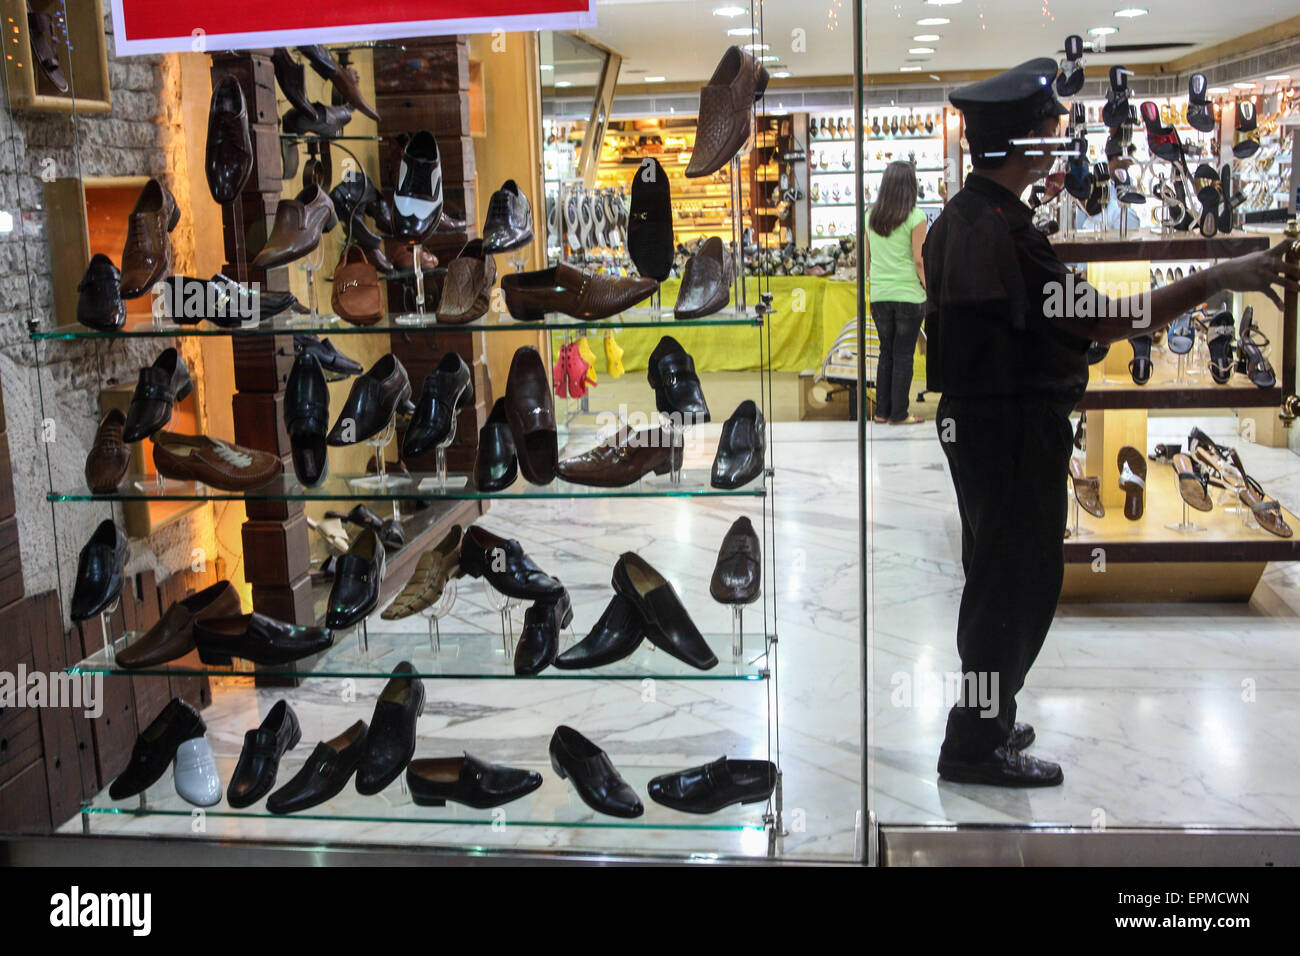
(616, 635)
(509, 222)
(742, 448)
(738, 575)
(467, 780)
(331, 360)
(99, 305)
(307, 418)
(357, 577)
(156, 747)
(161, 385)
(1021, 737)
(650, 222)
(1004, 767)
(506, 567)
(677, 388)
(447, 389)
(577, 759)
(99, 571)
(539, 641)
(716, 785)
(390, 742)
(496, 466)
(325, 773)
(372, 403)
(417, 200)
(257, 638)
(667, 624)
(259, 761)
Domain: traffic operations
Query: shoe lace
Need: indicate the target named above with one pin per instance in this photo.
(233, 456)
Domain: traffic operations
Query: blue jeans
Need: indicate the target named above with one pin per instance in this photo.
(898, 324)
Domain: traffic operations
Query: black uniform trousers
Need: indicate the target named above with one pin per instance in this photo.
(1009, 458)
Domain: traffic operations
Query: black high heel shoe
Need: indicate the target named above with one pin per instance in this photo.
(1219, 337)
(1250, 356)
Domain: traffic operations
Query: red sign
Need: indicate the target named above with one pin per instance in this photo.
(166, 26)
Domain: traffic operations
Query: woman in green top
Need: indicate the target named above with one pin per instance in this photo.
(895, 235)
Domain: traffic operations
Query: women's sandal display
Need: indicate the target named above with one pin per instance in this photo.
(217, 464)
(156, 747)
(469, 781)
(1087, 489)
(390, 739)
(1245, 140)
(147, 253)
(1219, 336)
(259, 760)
(1265, 510)
(592, 773)
(1193, 486)
(324, 775)
(173, 636)
(1181, 337)
(424, 588)
(1250, 355)
(724, 114)
(496, 466)
(1222, 464)
(109, 458)
(1133, 481)
(715, 786)
(530, 411)
(1200, 111)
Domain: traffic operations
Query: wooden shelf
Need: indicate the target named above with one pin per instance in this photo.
(83, 56)
(1164, 392)
(1150, 247)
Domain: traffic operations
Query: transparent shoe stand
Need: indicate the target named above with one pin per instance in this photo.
(419, 316)
(311, 264)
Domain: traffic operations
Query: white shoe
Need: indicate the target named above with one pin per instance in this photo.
(195, 773)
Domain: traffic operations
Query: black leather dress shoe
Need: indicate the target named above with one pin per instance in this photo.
(1021, 737)
(325, 773)
(161, 385)
(320, 120)
(229, 156)
(677, 388)
(352, 197)
(467, 780)
(667, 624)
(372, 403)
(357, 577)
(509, 222)
(257, 638)
(99, 571)
(742, 448)
(1004, 767)
(738, 575)
(716, 785)
(290, 75)
(650, 222)
(307, 418)
(417, 200)
(259, 761)
(155, 748)
(539, 641)
(577, 759)
(447, 389)
(617, 634)
(496, 467)
(99, 305)
(332, 361)
(506, 567)
(390, 742)
(389, 530)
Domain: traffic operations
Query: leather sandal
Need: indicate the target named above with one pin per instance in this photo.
(1222, 465)
(1140, 367)
(1181, 338)
(1209, 194)
(1192, 483)
(1266, 510)
(1250, 356)
(1133, 481)
(1245, 141)
(1087, 489)
(1219, 337)
(1164, 454)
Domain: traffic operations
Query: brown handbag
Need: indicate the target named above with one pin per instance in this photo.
(356, 296)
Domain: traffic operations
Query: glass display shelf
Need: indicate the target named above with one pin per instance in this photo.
(553, 804)
(477, 656)
(639, 318)
(414, 486)
(318, 138)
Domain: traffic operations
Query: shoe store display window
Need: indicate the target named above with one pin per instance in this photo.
(636, 437)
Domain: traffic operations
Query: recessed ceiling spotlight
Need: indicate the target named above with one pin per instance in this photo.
(933, 22)
(654, 79)
(921, 50)
(741, 32)
(729, 11)
(1103, 31)
(756, 47)
(1129, 13)
(926, 38)
(909, 69)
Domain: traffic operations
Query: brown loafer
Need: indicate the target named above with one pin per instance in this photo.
(437, 566)
(173, 635)
(467, 290)
(299, 223)
(624, 459)
(580, 293)
(531, 415)
(219, 464)
(725, 106)
(1087, 490)
(109, 457)
(706, 281)
(147, 255)
(403, 258)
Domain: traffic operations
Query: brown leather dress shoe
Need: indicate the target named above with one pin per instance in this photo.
(725, 106)
(706, 281)
(218, 464)
(173, 635)
(147, 255)
(531, 414)
(109, 457)
(467, 290)
(572, 291)
(738, 574)
(403, 258)
(624, 459)
(299, 223)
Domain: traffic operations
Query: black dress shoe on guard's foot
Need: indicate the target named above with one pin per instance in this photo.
(1003, 767)
(1021, 737)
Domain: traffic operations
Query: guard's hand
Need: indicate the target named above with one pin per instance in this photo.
(1260, 272)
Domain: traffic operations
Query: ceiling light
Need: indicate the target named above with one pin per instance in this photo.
(1278, 78)
(942, 3)
(921, 50)
(547, 66)
(780, 74)
(909, 69)
(1128, 13)
(654, 79)
(926, 38)
(563, 83)
(933, 22)
(1218, 91)
(756, 47)
(768, 59)
(1103, 31)
(741, 32)
(729, 11)
(1244, 86)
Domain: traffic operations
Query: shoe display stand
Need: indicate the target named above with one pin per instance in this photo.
(78, 41)
(1170, 554)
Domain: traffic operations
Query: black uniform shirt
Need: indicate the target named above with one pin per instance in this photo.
(989, 276)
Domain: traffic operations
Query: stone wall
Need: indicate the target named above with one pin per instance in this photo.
(51, 389)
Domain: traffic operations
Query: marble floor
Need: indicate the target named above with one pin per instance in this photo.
(1142, 705)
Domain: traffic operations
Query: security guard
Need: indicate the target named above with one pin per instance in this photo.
(1011, 365)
